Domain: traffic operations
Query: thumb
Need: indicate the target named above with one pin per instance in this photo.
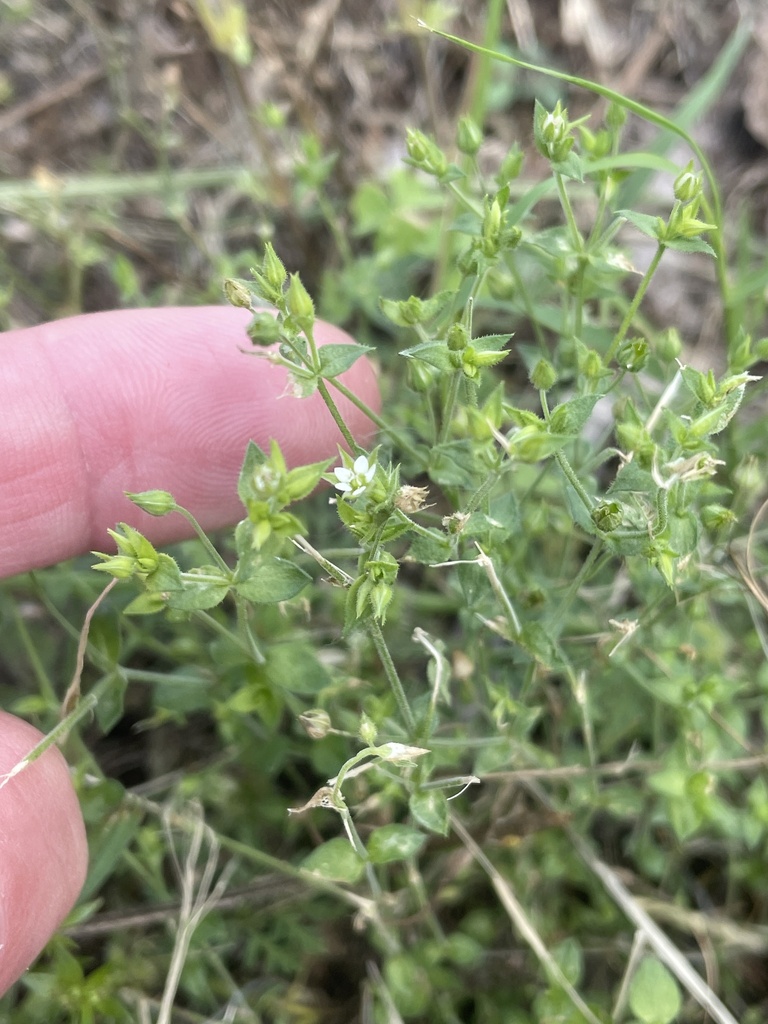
(43, 852)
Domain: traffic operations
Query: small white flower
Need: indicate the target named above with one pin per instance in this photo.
(353, 480)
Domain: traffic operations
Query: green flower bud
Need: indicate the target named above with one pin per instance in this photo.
(384, 567)
(316, 722)
(380, 599)
(669, 344)
(491, 238)
(237, 293)
(607, 516)
(633, 355)
(597, 144)
(469, 137)
(122, 567)
(458, 337)
(367, 730)
(687, 185)
(419, 376)
(272, 268)
(551, 132)
(592, 365)
(416, 143)
(715, 517)
(157, 503)
(511, 165)
(299, 304)
(455, 523)
(265, 329)
(424, 153)
(543, 375)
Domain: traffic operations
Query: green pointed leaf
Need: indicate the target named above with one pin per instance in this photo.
(146, 604)
(434, 353)
(254, 458)
(296, 668)
(336, 359)
(430, 808)
(570, 416)
(201, 588)
(654, 996)
(336, 861)
(571, 167)
(643, 221)
(394, 842)
(271, 581)
(690, 245)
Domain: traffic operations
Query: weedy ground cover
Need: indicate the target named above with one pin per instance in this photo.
(480, 738)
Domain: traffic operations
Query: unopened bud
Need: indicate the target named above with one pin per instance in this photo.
(299, 303)
(237, 293)
(687, 185)
(469, 137)
(316, 722)
(156, 503)
(543, 375)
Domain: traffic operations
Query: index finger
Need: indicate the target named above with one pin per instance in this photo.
(104, 403)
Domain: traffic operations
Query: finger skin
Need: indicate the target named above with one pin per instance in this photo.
(43, 851)
(104, 403)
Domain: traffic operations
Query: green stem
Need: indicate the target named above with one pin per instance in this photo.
(486, 487)
(634, 304)
(525, 298)
(374, 417)
(217, 627)
(662, 512)
(346, 433)
(573, 480)
(394, 679)
(578, 244)
(581, 577)
(565, 202)
(44, 682)
(204, 540)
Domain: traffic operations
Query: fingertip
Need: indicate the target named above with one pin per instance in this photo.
(43, 849)
(101, 404)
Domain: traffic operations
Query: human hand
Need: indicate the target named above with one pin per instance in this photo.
(93, 406)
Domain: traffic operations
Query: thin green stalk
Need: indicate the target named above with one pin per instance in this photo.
(204, 539)
(394, 679)
(573, 480)
(222, 630)
(346, 433)
(47, 688)
(485, 488)
(565, 202)
(359, 847)
(402, 442)
(588, 567)
(524, 294)
(634, 304)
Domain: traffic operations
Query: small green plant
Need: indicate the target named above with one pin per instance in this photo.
(504, 643)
